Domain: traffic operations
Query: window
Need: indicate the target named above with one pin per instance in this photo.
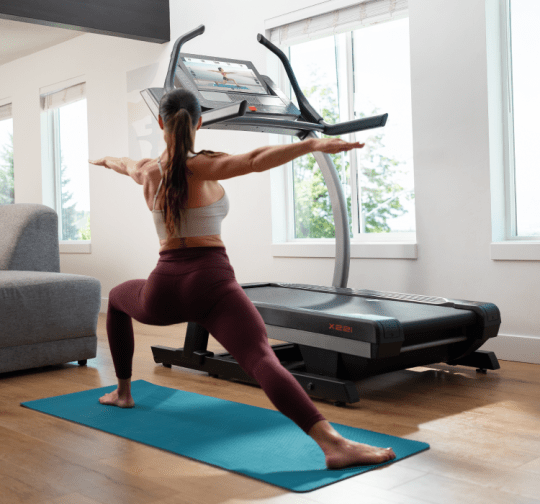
(7, 191)
(360, 72)
(523, 175)
(65, 160)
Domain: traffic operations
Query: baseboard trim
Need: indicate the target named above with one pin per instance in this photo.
(506, 347)
(511, 347)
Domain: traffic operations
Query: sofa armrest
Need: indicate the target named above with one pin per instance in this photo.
(29, 238)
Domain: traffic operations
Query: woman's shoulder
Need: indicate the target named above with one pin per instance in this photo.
(150, 168)
(202, 161)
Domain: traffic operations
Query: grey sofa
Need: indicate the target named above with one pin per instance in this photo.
(46, 317)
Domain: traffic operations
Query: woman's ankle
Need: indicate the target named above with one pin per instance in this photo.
(124, 387)
(324, 434)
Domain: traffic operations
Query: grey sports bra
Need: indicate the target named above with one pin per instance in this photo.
(202, 221)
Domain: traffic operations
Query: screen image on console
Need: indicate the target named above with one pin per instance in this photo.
(215, 75)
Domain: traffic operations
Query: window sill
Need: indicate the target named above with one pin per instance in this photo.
(402, 250)
(81, 247)
(515, 251)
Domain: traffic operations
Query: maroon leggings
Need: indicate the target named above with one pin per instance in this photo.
(198, 285)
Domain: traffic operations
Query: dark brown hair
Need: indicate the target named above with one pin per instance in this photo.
(180, 111)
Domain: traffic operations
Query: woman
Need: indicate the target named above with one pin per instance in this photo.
(193, 280)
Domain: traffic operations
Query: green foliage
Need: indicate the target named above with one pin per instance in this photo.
(70, 216)
(84, 233)
(7, 177)
(313, 210)
(381, 196)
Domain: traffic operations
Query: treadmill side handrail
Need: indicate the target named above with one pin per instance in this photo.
(309, 113)
(355, 125)
(169, 80)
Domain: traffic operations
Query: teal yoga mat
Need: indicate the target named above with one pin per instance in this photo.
(256, 442)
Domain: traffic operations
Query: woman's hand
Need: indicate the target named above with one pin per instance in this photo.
(99, 162)
(334, 145)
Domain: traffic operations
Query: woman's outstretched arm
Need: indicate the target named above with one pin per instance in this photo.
(126, 166)
(264, 158)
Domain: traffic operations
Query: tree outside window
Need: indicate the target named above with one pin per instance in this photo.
(378, 182)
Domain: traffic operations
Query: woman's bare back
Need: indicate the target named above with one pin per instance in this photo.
(201, 193)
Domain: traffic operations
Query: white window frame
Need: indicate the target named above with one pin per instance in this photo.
(363, 245)
(508, 122)
(505, 246)
(50, 156)
(8, 102)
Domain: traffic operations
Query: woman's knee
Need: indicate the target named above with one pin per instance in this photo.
(115, 295)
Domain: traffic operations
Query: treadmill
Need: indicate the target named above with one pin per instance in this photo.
(335, 335)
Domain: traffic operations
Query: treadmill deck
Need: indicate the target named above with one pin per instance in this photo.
(410, 315)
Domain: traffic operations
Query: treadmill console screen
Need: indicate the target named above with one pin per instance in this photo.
(225, 76)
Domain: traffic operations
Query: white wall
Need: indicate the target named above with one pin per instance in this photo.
(451, 159)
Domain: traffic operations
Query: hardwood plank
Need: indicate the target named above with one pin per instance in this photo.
(389, 477)
(441, 490)
(273, 495)
(72, 498)
(523, 484)
(22, 484)
(21, 421)
(532, 467)
(353, 490)
(62, 470)
(203, 483)
(463, 465)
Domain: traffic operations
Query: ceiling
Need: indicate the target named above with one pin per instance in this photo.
(18, 39)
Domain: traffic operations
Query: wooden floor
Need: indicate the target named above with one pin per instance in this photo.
(484, 432)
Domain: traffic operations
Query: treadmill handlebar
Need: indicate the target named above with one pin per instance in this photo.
(309, 113)
(169, 80)
(306, 109)
(224, 113)
(355, 125)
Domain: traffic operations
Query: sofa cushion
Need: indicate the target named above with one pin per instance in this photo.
(38, 307)
(29, 238)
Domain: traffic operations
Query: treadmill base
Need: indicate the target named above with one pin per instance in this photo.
(336, 390)
(320, 383)
(340, 392)
(480, 359)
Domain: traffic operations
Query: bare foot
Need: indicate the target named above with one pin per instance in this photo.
(346, 453)
(341, 452)
(113, 399)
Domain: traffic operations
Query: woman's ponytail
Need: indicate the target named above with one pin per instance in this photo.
(179, 145)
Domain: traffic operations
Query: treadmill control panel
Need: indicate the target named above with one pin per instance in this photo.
(217, 81)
